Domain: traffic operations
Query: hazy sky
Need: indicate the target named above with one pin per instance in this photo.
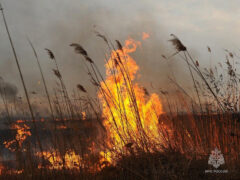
(55, 24)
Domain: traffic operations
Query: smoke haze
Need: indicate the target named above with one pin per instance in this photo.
(57, 23)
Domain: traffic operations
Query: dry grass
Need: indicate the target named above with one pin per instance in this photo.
(184, 139)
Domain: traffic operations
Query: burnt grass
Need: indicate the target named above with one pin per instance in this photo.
(168, 164)
(156, 166)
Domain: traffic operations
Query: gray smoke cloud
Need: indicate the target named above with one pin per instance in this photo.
(8, 90)
(56, 24)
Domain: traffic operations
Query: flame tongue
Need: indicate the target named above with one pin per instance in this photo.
(23, 131)
(71, 160)
(129, 111)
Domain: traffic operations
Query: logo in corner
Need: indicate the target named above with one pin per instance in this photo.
(216, 158)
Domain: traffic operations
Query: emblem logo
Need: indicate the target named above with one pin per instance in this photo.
(216, 158)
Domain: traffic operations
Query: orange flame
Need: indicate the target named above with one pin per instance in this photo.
(23, 131)
(145, 35)
(129, 111)
(84, 115)
(1, 169)
(61, 127)
(71, 160)
(5, 171)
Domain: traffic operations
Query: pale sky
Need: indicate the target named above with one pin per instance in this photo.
(55, 24)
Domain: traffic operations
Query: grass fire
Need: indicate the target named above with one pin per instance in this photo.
(116, 102)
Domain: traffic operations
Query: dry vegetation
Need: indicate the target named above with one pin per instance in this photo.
(124, 133)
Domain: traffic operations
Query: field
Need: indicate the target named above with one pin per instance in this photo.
(124, 131)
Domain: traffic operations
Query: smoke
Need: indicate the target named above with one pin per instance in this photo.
(56, 24)
(8, 90)
(115, 23)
